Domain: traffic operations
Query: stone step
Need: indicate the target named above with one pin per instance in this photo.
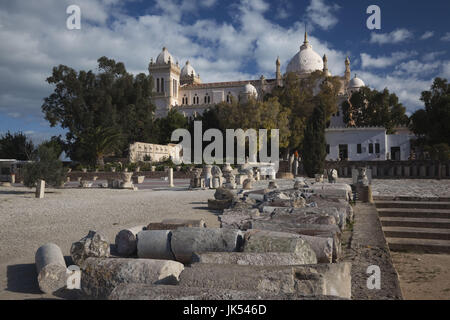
(414, 213)
(419, 245)
(413, 204)
(409, 198)
(417, 233)
(435, 223)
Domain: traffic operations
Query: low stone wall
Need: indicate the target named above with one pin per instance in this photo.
(396, 169)
(117, 175)
(412, 169)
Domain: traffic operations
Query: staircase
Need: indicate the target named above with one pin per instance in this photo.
(419, 226)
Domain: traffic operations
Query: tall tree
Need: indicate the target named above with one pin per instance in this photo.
(112, 98)
(431, 124)
(16, 146)
(300, 96)
(174, 120)
(375, 109)
(314, 143)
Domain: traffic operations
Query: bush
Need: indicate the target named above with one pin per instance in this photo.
(46, 166)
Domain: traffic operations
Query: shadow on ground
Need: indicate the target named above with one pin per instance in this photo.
(22, 278)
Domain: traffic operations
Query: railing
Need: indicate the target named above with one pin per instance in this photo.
(411, 169)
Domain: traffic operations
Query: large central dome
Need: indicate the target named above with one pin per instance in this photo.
(305, 61)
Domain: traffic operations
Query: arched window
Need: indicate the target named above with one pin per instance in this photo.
(157, 84)
(184, 100)
(229, 97)
(195, 100)
(207, 99)
(162, 84)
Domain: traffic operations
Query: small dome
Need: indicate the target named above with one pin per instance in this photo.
(356, 83)
(187, 70)
(250, 90)
(164, 57)
(306, 60)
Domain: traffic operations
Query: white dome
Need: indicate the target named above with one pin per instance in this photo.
(187, 70)
(250, 90)
(356, 83)
(306, 60)
(164, 57)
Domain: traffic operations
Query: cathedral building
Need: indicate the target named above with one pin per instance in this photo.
(181, 87)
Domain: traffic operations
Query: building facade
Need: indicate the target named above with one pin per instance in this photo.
(182, 88)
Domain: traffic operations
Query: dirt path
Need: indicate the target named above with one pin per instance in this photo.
(423, 276)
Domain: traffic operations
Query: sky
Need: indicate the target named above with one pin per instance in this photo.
(223, 40)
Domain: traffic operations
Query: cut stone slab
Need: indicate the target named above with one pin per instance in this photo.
(92, 245)
(172, 224)
(155, 244)
(271, 241)
(126, 241)
(135, 291)
(51, 268)
(255, 258)
(100, 276)
(214, 204)
(224, 194)
(321, 247)
(186, 241)
(311, 280)
(238, 219)
(40, 189)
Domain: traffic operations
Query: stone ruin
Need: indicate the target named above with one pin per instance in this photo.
(272, 244)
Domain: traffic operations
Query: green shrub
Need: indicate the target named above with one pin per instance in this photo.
(46, 166)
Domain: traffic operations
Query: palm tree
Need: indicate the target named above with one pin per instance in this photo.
(101, 142)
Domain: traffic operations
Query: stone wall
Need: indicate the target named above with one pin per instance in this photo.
(412, 169)
(117, 175)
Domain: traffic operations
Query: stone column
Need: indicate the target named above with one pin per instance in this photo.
(171, 177)
(40, 189)
(432, 173)
(422, 171)
(391, 171)
(51, 268)
(207, 175)
(398, 171)
(407, 171)
(414, 171)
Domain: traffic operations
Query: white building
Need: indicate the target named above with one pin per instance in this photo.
(182, 88)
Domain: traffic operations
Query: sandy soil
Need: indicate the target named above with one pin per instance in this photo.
(66, 215)
(423, 276)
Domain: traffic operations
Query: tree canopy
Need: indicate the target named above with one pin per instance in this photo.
(299, 97)
(16, 146)
(84, 101)
(372, 108)
(314, 144)
(431, 124)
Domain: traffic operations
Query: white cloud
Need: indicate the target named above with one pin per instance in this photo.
(367, 61)
(431, 56)
(38, 40)
(417, 68)
(408, 89)
(321, 14)
(445, 70)
(396, 36)
(427, 35)
(446, 37)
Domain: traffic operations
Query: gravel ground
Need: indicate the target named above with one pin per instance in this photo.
(66, 215)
